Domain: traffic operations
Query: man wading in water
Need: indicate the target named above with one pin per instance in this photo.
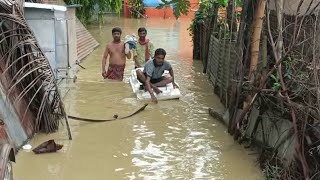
(152, 77)
(144, 49)
(117, 60)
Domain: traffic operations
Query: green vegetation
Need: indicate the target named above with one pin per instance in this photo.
(179, 6)
(136, 7)
(95, 8)
(204, 12)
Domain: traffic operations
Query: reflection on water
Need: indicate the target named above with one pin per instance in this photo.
(174, 139)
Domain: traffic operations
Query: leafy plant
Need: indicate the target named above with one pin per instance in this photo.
(137, 8)
(205, 11)
(276, 84)
(179, 6)
(97, 8)
(224, 3)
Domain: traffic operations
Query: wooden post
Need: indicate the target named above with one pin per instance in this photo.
(257, 29)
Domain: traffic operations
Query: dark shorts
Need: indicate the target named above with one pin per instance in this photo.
(153, 81)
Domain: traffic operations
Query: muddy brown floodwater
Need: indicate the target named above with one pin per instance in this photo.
(174, 139)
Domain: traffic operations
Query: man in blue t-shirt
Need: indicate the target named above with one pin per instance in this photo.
(152, 74)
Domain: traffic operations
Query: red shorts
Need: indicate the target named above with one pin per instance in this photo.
(115, 72)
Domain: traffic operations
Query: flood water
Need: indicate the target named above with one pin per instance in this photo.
(174, 139)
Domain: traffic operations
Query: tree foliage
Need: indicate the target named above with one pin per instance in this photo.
(137, 8)
(179, 6)
(92, 8)
(182, 6)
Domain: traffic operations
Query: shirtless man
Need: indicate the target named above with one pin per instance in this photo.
(115, 50)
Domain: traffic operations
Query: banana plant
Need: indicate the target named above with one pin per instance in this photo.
(182, 6)
(91, 8)
(137, 8)
(179, 6)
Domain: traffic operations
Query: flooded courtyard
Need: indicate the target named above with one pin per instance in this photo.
(174, 139)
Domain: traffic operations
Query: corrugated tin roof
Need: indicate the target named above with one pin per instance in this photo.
(45, 6)
(85, 41)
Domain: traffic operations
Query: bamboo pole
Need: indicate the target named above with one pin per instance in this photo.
(256, 35)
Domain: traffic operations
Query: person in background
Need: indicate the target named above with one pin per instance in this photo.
(116, 62)
(144, 49)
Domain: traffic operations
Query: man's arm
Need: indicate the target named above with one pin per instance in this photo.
(104, 60)
(149, 89)
(148, 86)
(151, 50)
(135, 57)
(149, 71)
(172, 75)
(128, 55)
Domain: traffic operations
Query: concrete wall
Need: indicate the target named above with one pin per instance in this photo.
(272, 130)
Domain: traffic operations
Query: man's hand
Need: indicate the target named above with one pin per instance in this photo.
(175, 85)
(154, 99)
(157, 90)
(104, 74)
(126, 48)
